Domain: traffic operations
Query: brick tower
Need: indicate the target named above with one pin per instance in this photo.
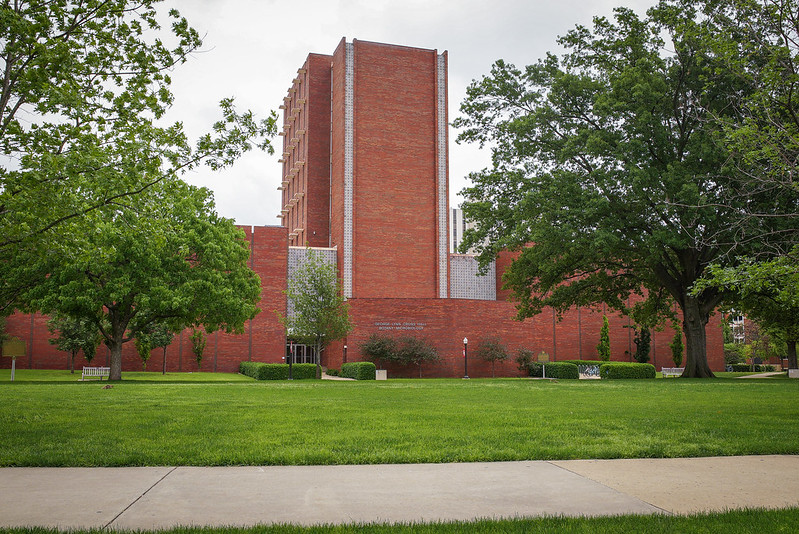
(365, 167)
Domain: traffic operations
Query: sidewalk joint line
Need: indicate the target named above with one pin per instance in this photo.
(138, 498)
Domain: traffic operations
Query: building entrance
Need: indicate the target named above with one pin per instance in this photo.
(299, 353)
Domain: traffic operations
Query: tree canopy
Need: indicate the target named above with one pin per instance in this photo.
(164, 257)
(611, 176)
(318, 313)
(84, 121)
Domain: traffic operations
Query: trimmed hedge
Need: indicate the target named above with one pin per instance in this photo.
(358, 370)
(585, 362)
(616, 370)
(747, 368)
(564, 370)
(277, 371)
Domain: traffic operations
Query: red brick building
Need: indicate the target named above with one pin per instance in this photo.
(365, 168)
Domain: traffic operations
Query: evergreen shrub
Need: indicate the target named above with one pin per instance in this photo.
(617, 370)
(277, 371)
(564, 370)
(358, 370)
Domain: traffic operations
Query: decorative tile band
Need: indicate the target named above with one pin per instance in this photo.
(349, 79)
(443, 229)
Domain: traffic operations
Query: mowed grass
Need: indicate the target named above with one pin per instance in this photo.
(738, 521)
(207, 419)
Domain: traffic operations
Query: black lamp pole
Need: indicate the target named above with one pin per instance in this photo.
(465, 358)
(345, 353)
(291, 360)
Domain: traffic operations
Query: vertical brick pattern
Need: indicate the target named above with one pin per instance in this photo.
(395, 252)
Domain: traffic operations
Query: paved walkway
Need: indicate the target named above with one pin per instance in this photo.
(162, 497)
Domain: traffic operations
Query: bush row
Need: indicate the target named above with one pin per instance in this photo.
(615, 370)
(358, 370)
(746, 368)
(563, 370)
(277, 371)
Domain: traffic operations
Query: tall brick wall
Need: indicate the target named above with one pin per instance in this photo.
(263, 338)
(445, 322)
(337, 152)
(394, 228)
(317, 159)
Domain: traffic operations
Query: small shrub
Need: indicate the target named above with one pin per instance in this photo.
(358, 370)
(332, 372)
(643, 343)
(617, 370)
(733, 353)
(676, 347)
(603, 348)
(524, 358)
(564, 370)
(302, 371)
(747, 368)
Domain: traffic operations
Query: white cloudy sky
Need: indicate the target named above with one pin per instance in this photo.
(253, 48)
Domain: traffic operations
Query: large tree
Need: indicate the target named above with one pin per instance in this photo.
(608, 170)
(163, 257)
(84, 124)
(318, 313)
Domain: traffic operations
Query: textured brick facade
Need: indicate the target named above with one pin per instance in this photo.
(365, 172)
(263, 338)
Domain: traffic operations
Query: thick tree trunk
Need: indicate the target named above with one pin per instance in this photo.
(693, 326)
(116, 360)
(792, 354)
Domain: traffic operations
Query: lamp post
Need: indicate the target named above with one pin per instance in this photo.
(291, 360)
(465, 358)
(345, 354)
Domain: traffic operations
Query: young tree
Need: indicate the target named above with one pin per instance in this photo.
(163, 257)
(415, 351)
(379, 349)
(161, 336)
(491, 350)
(198, 342)
(143, 348)
(643, 344)
(73, 335)
(676, 347)
(84, 123)
(603, 347)
(609, 162)
(767, 292)
(319, 313)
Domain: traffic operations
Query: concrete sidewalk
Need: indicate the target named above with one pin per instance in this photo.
(162, 497)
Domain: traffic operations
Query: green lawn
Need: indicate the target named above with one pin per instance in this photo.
(49, 419)
(739, 522)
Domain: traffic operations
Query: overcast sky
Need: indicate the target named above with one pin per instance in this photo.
(253, 48)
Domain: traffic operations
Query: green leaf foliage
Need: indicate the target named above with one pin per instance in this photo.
(358, 370)
(163, 257)
(491, 350)
(278, 371)
(611, 175)
(84, 125)
(677, 348)
(74, 335)
(619, 370)
(320, 314)
(603, 347)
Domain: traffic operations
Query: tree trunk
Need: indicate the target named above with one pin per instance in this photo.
(318, 360)
(72, 363)
(693, 326)
(163, 372)
(792, 354)
(116, 359)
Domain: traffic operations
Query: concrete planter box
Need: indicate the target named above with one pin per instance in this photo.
(793, 373)
(381, 374)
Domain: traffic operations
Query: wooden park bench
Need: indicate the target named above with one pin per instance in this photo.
(671, 371)
(95, 372)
